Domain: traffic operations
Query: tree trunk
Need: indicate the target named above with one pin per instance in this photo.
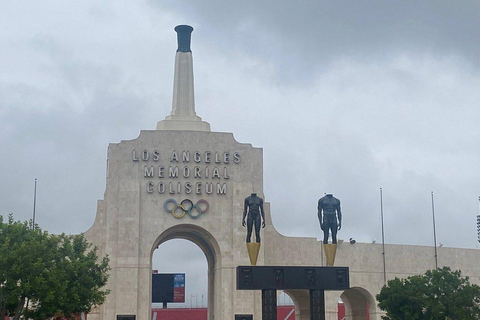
(19, 309)
(3, 306)
(3, 312)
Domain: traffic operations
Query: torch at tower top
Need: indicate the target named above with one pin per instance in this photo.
(183, 115)
(184, 36)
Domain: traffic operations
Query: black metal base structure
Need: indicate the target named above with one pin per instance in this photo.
(317, 305)
(270, 279)
(269, 304)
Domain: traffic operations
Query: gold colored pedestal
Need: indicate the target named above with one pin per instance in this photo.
(253, 248)
(330, 251)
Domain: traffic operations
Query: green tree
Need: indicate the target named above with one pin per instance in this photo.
(78, 280)
(44, 276)
(440, 294)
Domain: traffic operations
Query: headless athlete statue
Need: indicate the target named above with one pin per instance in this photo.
(330, 206)
(254, 207)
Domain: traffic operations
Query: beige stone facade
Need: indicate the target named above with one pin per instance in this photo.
(132, 221)
(182, 160)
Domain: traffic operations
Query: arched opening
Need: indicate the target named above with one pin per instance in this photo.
(171, 258)
(333, 305)
(206, 242)
(285, 306)
(359, 304)
(301, 300)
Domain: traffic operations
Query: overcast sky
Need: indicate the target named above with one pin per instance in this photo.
(345, 97)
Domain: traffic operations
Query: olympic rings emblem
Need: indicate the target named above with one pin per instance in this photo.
(186, 207)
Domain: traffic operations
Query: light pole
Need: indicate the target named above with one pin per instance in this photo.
(478, 221)
(34, 204)
(434, 232)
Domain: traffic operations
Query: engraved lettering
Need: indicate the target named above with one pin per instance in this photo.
(161, 187)
(149, 186)
(197, 172)
(161, 171)
(209, 187)
(197, 157)
(174, 156)
(173, 172)
(186, 156)
(148, 172)
(198, 188)
(156, 155)
(236, 157)
(186, 172)
(180, 172)
(145, 155)
(215, 173)
(221, 188)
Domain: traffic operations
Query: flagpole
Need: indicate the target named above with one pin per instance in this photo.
(34, 204)
(478, 220)
(383, 240)
(434, 232)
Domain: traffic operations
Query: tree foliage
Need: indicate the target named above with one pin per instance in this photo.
(440, 294)
(44, 276)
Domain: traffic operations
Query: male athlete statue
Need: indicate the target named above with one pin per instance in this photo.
(254, 206)
(331, 209)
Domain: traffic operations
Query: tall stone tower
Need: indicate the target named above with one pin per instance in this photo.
(183, 116)
(178, 181)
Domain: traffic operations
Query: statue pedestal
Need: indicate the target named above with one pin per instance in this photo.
(330, 252)
(253, 248)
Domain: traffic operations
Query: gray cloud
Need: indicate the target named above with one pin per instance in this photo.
(305, 37)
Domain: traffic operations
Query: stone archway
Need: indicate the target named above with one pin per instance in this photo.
(359, 304)
(301, 299)
(206, 242)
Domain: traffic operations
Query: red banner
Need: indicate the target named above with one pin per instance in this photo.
(179, 294)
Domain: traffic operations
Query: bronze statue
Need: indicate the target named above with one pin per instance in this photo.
(331, 210)
(254, 206)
